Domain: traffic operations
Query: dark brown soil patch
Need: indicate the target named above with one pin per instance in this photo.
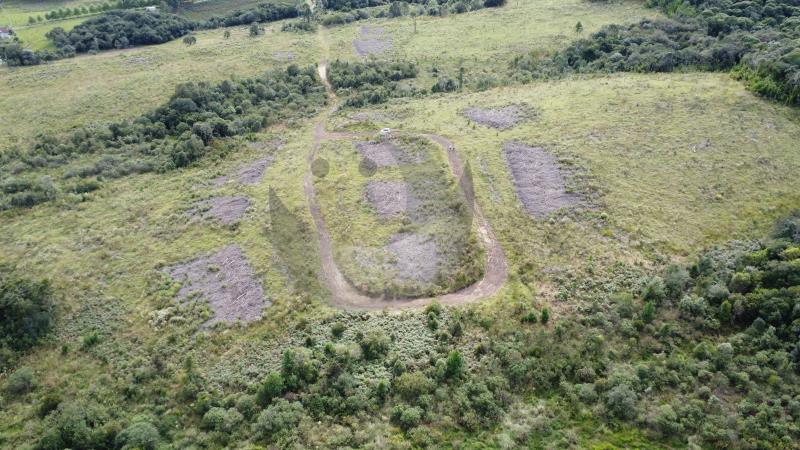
(225, 209)
(225, 280)
(372, 41)
(500, 118)
(390, 198)
(248, 174)
(537, 179)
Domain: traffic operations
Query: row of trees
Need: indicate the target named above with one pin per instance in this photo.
(123, 29)
(63, 13)
(171, 136)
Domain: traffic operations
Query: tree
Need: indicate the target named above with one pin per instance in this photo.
(374, 344)
(306, 12)
(140, 435)
(455, 365)
(648, 312)
(621, 402)
(397, 9)
(271, 387)
(226, 34)
(254, 30)
(189, 40)
(545, 315)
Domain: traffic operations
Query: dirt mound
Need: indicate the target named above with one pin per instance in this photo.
(225, 280)
(390, 198)
(537, 179)
(500, 118)
(373, 41)
(386, 154)
(225, 209)
(248, 174)
(415, 257)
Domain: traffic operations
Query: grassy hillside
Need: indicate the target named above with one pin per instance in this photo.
(483, 42)
(651, 299)
(119, 84)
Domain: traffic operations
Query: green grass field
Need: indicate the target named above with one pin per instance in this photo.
(483, 42)
(118, 84)
(670, 171)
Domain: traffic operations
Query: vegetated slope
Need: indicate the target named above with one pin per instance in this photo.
(169, 137)
(758, 41)
(113, 86)
(641, 145)
(400, 223)
(483, 42)
(129, 348)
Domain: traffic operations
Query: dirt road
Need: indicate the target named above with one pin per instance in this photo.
(343, 293)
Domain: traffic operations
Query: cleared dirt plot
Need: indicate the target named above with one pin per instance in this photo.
(227, 210)
(225, 280)
(373, 40)
(403, 230)
(387, 154)
(502, 118)
(415, 257)
(537, 179)
(390, 198)
(249, 174)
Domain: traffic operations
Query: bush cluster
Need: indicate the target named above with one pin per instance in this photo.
(171, 136)
(371, 82)
(758, 40)
(27, 310)
(119, 29)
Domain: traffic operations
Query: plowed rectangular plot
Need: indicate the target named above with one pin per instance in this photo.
(402, 229)
(372, 41)
(227, 210)
(225, 280)
(537, 179)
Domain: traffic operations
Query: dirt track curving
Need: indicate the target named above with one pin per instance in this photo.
(343, 294)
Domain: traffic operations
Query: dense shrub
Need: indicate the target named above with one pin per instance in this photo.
(757, 40)
(371, 82)
(121, 29)
(27, 310)
(174, 135)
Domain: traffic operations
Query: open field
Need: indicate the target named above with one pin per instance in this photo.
(33, 36)
(667, 168)
(119, 84)
(483, 42)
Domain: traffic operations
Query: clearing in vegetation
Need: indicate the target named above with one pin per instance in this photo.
(403, 230)
(248, 175)
(501, 118)
(372, 41)
(226, 281)
(537, 179)
(227, 210)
